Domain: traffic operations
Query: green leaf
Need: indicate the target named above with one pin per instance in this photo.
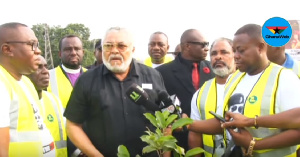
(158, 132)
(122, 151)
(170, 145)
(179, 150)
(148, 149)
(160, 119)
(169, 138)
(151, 118)
(149, 132)
(145, 138)
(171, 119)
(166, 114)
(181, 122)
(194, 151)
(149, 139)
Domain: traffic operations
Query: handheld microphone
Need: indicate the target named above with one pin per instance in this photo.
(139, 96)
(170, 104)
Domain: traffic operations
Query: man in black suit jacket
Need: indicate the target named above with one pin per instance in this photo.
(177, 74)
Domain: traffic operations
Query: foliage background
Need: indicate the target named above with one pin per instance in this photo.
(57, 32)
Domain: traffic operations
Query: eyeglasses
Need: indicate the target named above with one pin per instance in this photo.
(34, 45)
(119, 46)
(203, 44)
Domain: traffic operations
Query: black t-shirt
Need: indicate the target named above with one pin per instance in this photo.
(112, 119)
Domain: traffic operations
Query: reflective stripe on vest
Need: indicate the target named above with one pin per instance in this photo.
(53, 107)
(206, 101)
(27, 136)
(261, 102)
(61, 142)
(232, 80)
(148, 61)
(60, 85)
(24, 134)
(53, 86)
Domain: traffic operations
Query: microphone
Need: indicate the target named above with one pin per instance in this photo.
(170, 104)
(139, 96)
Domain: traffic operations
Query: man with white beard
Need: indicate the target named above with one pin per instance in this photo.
(210, 97)
(99, 99)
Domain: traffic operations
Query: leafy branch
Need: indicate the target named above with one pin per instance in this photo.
(160, 141)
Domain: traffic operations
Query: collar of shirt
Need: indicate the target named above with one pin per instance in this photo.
(185, 62)
(289, 62)
(71, 71)
(133, 71)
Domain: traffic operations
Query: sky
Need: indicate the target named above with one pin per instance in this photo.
(214, 18)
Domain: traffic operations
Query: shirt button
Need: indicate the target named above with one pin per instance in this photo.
(126, 113)
(124, 97)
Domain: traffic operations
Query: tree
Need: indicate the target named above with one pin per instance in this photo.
(57, 32)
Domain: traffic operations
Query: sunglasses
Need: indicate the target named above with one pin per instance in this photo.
(203, 44)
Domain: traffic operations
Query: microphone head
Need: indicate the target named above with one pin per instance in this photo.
(140, 97)
(152, 95)
(165, 98)
(137, 94)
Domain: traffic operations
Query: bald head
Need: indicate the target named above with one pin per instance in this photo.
(194, 45)
(19, 49)
(190, 35)
(8, 31)
(177, 50)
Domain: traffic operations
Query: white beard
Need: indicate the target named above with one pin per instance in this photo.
(223, 72)
(117, 68)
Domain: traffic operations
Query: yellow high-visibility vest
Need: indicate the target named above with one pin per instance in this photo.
(60, 85)
(207, 101)
(53, 118)
(149, 63)
(25, 138)
(261, 101)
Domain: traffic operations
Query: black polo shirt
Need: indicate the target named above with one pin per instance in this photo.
(112, 119)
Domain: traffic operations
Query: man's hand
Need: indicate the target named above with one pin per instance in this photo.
(168, 131)
(183, 115)
(4, 141)
(237, 120)
(241, 138)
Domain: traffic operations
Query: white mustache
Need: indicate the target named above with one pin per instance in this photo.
(219, 62)
(115, 56)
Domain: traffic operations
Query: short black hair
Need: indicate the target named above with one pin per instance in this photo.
(158, 32)
(252, 30)
(98, 45)
(67, 36)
